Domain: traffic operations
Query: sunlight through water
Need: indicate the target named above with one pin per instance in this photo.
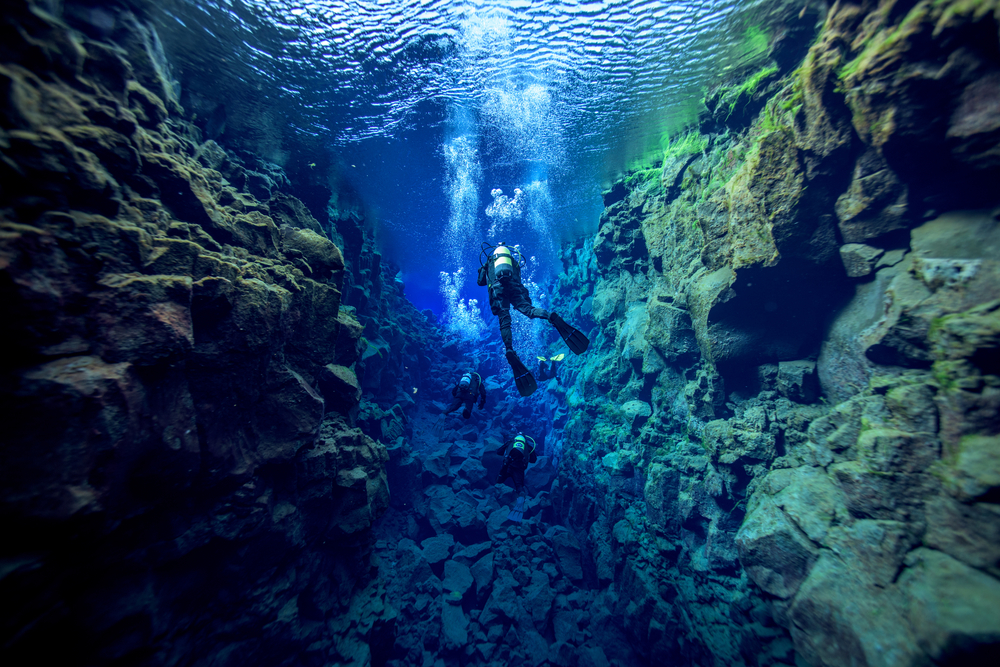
(428, 106)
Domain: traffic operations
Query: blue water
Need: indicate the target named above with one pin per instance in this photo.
(462, 122)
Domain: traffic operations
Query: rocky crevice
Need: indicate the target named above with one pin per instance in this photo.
(780, 448)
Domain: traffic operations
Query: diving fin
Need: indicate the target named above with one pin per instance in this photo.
(523, 378)
(577, 342)
(517, 513)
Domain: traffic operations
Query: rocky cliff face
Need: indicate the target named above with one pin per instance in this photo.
(761, 478)
(182, 472)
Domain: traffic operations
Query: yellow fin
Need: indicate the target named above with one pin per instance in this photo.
(541, 358)
(558, 357)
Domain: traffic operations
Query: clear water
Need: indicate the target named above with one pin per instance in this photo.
(459, 122)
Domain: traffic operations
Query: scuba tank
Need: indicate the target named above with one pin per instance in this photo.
(521, 444)
(503, 263)
(502, 259)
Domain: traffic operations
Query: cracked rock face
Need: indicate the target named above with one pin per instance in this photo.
(173, 458)
(824, 445)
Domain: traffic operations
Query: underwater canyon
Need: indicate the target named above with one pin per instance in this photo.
(224, 435)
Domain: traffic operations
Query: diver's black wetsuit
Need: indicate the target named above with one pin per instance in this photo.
(515, 462)
(467, 394)
(506, 293)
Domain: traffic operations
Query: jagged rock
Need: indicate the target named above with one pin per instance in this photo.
(889, 450)
(495, 522)
(636, 413)
(837, 619)
(454, 626)
(470, 554)
(859, 259)
(842, 367)
(561, 654)
(592, 656)
(482, 572)
(564, 625)
(567, 550)
(144, 319)
(967, 532)
(904, 118)
(340, 388)
(503, 602)
(437, 548)
(661, 493)
(873, 549)
(619, 463)
(749, 437)
(912, 407)
(540, 474)
(874, 205)
(322, 257)
(774, 552)
(974, 473)
(943, 627)
(411, 566)
(536, 649)
(538, 597)
(403, 474)
(437, 463)
(475, 472)
(457, 577)
(809, 498)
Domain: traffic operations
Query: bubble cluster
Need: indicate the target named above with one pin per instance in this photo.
(461, 316)
(503, 211)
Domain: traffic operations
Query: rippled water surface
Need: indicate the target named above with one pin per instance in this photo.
(428, 106)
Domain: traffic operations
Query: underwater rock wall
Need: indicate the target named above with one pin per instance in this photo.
(182, 474)
(782, 444)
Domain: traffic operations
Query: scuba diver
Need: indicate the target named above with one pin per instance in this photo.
(547, 367)
(466, 391)
(517, 454)
(501, 271)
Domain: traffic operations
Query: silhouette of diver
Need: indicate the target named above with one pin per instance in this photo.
(466, 391)
(500, 270)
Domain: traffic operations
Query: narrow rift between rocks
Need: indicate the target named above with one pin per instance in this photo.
(224, 440)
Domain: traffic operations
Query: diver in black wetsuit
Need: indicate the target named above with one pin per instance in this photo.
(517, 454)
(468, 388)
(501, 272)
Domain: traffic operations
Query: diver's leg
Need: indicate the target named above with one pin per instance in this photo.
(521, 300)
(455, 402)
(500, 307)
(505, 333)
(517, 473)
(467, 412)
